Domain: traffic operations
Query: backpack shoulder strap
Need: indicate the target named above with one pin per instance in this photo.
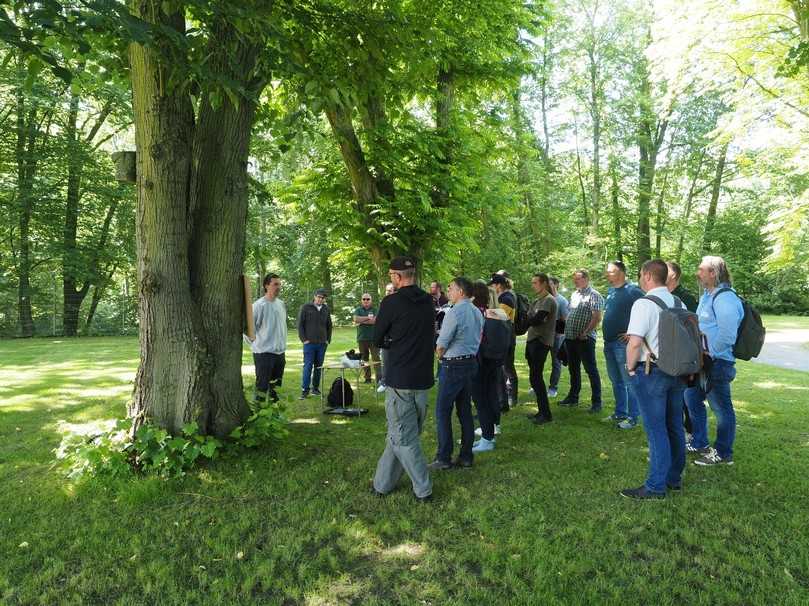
(677, 302)
(656, 300)
(719, 292)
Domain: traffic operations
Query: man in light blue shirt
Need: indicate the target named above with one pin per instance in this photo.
(457, 349)
(720, 314)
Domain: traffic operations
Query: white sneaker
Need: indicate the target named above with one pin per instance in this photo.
(531, 392)
(478, 432)
(496, 430)
(552, 393)
(483, 445)
(381, 388)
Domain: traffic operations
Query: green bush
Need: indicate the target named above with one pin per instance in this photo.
(154, 451)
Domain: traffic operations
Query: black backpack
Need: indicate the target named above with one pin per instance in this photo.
(751, 333)
(496, 339)
(521, 314)
(339, 389)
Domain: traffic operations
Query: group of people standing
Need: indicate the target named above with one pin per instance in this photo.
(470, 329)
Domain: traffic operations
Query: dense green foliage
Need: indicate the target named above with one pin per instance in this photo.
(536, 521)
(478, 136)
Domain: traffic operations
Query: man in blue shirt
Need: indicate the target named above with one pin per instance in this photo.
(457, 348)
(719, 317)
(620, 297)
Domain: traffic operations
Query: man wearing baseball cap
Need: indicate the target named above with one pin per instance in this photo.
(404, 328)
(314, 330)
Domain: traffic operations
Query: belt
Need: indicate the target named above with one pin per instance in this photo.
(453, 359)
(643, 363)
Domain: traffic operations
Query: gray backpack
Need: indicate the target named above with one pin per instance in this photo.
(679, 342)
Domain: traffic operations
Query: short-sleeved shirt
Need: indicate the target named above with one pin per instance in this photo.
(546, 331)
(645, 318)
(583, 303)
(617, 309)
(365, 332)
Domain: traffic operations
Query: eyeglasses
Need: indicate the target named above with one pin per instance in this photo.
(365, 299)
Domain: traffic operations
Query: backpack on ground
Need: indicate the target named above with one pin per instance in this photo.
(521, 314)
(340, 394)
(751, 333)
(496, 339)
(678, 337)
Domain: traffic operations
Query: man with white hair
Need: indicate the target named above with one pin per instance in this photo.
(720, 312)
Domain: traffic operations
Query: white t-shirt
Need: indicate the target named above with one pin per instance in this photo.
(645, 317)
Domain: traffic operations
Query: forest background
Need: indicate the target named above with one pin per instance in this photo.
(501, 136)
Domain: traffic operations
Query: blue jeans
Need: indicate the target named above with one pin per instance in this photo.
(626, 403)
(720, 376)
(313, 354)
(455, 388)
(661, 408)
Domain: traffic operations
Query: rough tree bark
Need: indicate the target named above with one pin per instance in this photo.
(192, 205)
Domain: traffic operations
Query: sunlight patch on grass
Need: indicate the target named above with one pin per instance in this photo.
(338, 592)
(774, 385)
(91, 428)
(407, 551)
(306, 421)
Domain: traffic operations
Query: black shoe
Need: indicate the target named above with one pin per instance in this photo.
(439, 465)
(425, 499)
(304, 395)
(594, 410)
(640, 493)
(315, 392)
(674, 487)
(533, 416)
(540, 420)
(375, 492)
(274, 397)
(568, 401)
(459, 462)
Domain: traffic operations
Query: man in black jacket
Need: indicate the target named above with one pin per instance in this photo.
(404, 328)
(314, 330)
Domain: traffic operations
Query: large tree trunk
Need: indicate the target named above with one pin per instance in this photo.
(191, 214)
(707, 240)
(26, 159)
(444, 109)
(72, 296)
(364, 185)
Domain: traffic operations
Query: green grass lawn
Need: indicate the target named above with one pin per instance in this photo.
(785, 322)
(537, 521)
